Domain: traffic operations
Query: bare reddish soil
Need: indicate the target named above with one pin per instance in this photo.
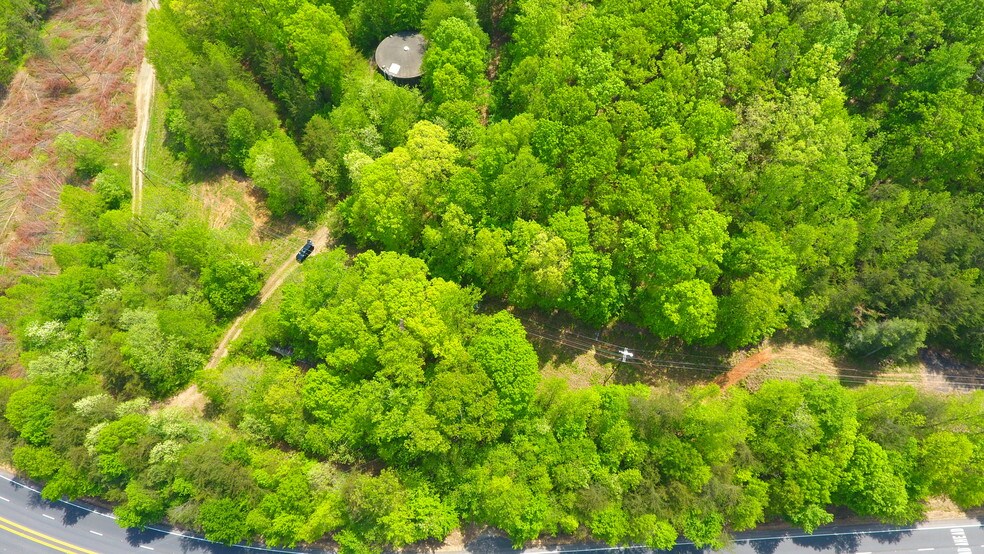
(744, 368)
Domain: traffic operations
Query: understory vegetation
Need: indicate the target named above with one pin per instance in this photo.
(20, 24)
(713, 172)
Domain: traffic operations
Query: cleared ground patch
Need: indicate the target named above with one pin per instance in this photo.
(933, 371)
(226, 201)
(622, 353)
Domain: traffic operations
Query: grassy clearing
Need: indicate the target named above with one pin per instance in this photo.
(586, 356)
(583, 371)
(161, 163)
(793, 362)
(227, 201)
(933, 371)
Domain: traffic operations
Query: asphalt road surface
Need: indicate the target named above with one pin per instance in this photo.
(964, 536)
(29, 525)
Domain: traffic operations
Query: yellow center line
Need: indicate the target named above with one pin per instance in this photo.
(75, 549)
(32, 539)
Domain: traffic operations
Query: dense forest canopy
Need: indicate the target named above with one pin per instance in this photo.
(421, 414)
(712, 171)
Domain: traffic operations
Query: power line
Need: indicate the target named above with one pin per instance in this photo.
(597, 340)
(860, 376)
(615, 353)
(844, 373)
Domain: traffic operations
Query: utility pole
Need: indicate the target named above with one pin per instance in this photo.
(626, 355)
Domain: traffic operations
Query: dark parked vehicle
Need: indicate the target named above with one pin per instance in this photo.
(305, 251)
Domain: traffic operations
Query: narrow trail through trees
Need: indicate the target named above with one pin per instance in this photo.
(143, 99)
(320, 239)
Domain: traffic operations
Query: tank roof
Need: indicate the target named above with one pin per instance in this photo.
(400, 55)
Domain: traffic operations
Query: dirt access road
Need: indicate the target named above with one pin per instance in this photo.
(320, 240)
(143, 98)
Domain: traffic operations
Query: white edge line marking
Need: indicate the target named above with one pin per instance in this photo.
(95, 532)
(47, 516)
(806, 536)
(926, 549)
(678, 543)
(145, 547)
(163, 531)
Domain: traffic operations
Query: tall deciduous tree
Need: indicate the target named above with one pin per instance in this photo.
(501, 349)
(395, 194)
(277, 166)
(320, 44)
(229, 283)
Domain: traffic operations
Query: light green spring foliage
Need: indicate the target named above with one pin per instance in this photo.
(630, 464)
(449, 401)
(715, 172)
(321, 47)
(229, 283)
(399, 184)
(277, 167)
(742, 168)
(20, 26)
(136, 305)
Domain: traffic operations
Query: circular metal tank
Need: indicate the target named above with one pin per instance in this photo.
(399, 56)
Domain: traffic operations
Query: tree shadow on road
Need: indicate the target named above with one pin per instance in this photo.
(72, 515)
(139, 537)
(839, 543)
(37, 502)
(765, 546)
(687, 549)
(894, 537)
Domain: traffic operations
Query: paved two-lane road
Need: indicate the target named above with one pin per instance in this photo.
(29, 525)
(965, 536)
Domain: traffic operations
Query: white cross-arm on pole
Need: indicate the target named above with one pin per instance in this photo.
(625, 354)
